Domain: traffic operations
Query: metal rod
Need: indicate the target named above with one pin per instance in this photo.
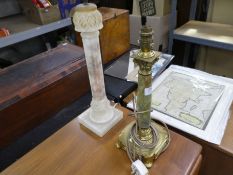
(85, 2)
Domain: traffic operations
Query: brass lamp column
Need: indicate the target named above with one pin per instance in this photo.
(144, 139)
(145, 59)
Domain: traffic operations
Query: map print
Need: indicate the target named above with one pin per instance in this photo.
(187, 98)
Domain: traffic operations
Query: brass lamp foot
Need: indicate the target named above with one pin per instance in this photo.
(146, 152)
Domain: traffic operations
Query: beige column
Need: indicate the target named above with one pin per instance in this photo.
(101, 116)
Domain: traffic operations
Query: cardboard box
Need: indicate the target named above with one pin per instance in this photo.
(40, 15)
(163, 7)
(160, 26)
(114, 36)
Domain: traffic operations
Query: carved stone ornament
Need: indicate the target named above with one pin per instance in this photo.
(87, 18)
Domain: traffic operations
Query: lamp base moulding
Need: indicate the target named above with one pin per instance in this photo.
(100, 129)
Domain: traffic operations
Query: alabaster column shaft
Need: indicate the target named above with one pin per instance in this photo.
(94, 64)
(101, 116)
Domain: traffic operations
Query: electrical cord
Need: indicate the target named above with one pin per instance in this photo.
(139, 143)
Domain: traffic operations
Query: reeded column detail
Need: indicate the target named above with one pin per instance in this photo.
(88, 20)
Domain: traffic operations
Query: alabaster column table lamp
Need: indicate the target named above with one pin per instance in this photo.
(101, 116)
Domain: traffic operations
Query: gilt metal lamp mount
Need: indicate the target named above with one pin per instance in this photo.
(144, 139)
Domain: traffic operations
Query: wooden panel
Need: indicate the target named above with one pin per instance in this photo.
(111, 13)
(215, 162)
(196, 168)
(227, 141)
(76, 150)
(114, 37)
(33, 90)
(32, 75)
(218, 159)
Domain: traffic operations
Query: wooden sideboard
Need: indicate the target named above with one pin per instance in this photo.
(75, 150)
(35, 89)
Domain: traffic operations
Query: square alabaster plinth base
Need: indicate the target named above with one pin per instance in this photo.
(100, 129)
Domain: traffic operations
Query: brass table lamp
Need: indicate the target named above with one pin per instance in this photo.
(144, 139)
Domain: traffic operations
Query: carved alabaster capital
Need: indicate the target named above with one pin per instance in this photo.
(87, 18)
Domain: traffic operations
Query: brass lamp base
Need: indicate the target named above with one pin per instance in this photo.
(146, 152)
